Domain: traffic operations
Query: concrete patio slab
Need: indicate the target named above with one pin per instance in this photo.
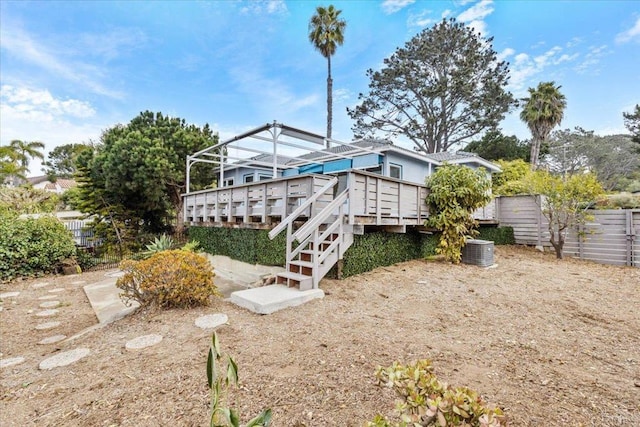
(269, 299)
(105, 300)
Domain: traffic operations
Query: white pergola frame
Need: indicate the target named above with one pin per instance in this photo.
(279, 135)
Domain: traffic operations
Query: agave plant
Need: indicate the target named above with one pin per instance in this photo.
(159, 244)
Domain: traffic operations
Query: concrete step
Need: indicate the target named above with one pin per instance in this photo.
(269, 299)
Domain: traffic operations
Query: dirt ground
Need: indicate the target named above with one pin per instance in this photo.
(553, 343)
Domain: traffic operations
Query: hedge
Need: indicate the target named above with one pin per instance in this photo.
(242, 244)
(254, 247)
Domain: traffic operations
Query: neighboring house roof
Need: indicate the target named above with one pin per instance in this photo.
(461, 157)
(60, 186)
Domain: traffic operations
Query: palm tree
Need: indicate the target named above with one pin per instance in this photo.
(326, 32)
(543, 110)
(11, 172)
(27, 150)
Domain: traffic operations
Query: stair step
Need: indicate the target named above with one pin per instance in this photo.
(293, 276)
(302, 263)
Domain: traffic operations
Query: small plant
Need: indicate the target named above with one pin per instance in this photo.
(219, 383)
(192, 246)
(168, 279)
(159, 244)
(425, 401)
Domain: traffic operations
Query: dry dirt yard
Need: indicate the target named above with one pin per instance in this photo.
(553, 343)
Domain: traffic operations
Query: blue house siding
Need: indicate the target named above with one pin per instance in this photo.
(413, 170)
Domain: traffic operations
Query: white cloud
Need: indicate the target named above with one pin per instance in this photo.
(592, 59)
(524, 66)
(446, 13)
(506, 53)
(112, 44)
(21, 45)
(632, 34)
(36, 115)
(477, 12)
(421, 19)
(342, 96)
(392, 6)
(41, 103)
(474, 15)
(269, 7)
(574, 42)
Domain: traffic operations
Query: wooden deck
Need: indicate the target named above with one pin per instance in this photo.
(372, 200)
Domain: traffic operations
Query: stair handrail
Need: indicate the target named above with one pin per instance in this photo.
(313, 223)
(300, 209)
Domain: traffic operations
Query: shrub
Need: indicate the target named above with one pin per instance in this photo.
(32, 246)
(425, 401)
(159, 244)
(498, 235)
(168, 279)
(455, 192)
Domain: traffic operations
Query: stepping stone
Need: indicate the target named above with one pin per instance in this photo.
(40, 285)
(50, 304)
(47, 297)
(48, 325)
(5, 363)
(9, 295)
(56, 290)
(52, 339)
(211, 321)
(115, 274)
(65, 358)
(46, 313)
(143, 342)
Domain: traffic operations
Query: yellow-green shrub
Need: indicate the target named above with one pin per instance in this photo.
(425, 401)
(168, 279)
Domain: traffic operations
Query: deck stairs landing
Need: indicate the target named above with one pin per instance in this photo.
(316, 246)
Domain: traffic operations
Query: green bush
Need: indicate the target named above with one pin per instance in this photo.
(168, 279)
(32, 246)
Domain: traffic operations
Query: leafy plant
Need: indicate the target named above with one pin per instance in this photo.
(167, 279)
(191, 246)
(425, 401)
(32, 246)
(455, 192)
(220, 380)
(159, 244)
(565, 202)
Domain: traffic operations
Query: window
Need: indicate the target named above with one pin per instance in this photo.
(377, 169)
(263, 177)
(395, 171)
(227, 182)
(248, 178)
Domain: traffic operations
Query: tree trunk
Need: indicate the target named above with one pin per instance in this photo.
(180, 216)
(535, 150)
(557, 245)
(329, 97)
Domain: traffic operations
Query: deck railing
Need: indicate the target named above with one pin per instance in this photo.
(372, 200)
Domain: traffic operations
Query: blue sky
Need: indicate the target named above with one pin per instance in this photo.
(69, 70)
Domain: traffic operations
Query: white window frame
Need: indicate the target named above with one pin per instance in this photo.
(396, 166)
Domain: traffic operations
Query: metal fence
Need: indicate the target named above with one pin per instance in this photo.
(95, 254)
(610, 237)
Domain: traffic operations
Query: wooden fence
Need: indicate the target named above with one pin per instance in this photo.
(610, 237)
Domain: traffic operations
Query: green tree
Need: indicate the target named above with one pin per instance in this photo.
(444, 87)
(612, 158)
(496, 146)
(632, 123)
(10, 166)
(27, 151)
(326, 33)
(61, 161)
(455, 192)
(512, 178)
(137, 172)
(564, 202)
(542, 111)
(28, 200)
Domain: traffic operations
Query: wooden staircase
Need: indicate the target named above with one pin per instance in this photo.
(315, 247)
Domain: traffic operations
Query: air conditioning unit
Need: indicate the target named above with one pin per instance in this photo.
(478, 252)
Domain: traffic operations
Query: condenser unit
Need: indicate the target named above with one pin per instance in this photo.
(478, 252)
